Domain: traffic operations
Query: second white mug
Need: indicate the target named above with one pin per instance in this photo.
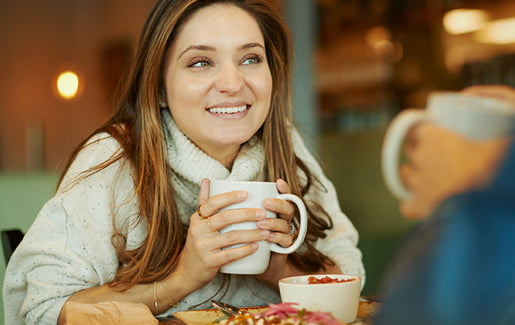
(475, 117)
(257, 263)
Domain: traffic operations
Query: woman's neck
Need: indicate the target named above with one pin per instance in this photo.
(225, 156)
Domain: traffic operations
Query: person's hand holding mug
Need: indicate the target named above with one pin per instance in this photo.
(203, 254)
(236, 227)
(441, 163)
(279, 209)
(457, 150)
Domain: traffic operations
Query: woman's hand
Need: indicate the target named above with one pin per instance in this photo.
(279, 233)
(203, 255)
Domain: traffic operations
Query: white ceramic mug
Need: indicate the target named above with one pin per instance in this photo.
(257, 263)
(475, 117)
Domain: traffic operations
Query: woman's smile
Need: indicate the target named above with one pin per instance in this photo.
(229, 112)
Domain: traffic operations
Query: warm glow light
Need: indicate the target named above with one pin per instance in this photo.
(379, 38)
(500, 31)
(376, 35)
(68, 84)
(459, 21)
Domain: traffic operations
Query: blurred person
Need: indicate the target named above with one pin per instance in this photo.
(207, 97)
(456, 266)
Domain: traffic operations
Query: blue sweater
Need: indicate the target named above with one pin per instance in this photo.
(458, 267)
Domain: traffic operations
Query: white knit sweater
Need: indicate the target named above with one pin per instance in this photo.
(68, 247)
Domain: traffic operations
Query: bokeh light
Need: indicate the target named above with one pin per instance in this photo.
(460, 21)
(68, 84)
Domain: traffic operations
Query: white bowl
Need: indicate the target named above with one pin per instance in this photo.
(341, 299)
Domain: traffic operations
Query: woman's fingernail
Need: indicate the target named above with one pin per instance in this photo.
(261, 223)
(268, 203)
(260, 214)
(242, 194)
(265, 233)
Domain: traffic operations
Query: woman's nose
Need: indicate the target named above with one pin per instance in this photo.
(229, 79)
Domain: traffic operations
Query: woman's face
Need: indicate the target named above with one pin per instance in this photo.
(218, 82)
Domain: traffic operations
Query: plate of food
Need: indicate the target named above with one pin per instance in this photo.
(210, 316)
(277, 314)
(252, 314)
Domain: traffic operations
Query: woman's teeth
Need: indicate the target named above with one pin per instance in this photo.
(228, 110)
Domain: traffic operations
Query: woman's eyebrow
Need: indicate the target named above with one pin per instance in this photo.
(197, 47)
(251, 45)
(213, 49)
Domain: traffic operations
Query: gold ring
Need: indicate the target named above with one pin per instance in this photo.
(210, 225)
(200, 213)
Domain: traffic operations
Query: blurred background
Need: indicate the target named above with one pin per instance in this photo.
(358, 63)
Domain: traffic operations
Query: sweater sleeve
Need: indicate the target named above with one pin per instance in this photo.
(341, 241)
(68, 247)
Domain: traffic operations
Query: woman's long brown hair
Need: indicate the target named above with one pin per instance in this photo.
(137, 127)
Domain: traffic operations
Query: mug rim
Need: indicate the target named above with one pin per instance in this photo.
(501, 106)
(235, 181)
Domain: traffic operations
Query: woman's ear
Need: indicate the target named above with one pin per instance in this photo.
(162, 98)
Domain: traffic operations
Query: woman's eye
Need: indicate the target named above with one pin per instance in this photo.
(254, 59)
(200, 63)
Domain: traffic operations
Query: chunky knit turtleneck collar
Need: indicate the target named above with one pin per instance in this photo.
(190, 165)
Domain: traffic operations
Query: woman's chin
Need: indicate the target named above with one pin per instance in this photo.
(232, 139)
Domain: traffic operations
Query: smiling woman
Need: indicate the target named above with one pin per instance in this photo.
(207, 97)
(219, 88)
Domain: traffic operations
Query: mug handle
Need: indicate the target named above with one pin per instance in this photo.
(391, 149)
(303, 225)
